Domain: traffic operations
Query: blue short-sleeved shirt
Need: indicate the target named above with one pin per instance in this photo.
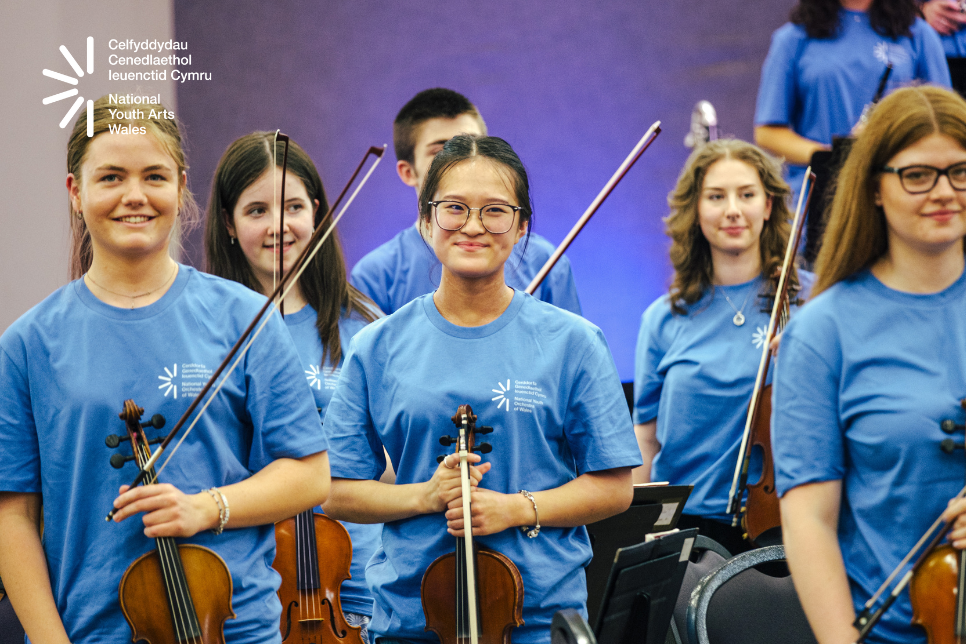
(404, 268)
(66, 368)
(819, 87)
(354, 594)
(695, 374)
(545, 381)
(865, 375)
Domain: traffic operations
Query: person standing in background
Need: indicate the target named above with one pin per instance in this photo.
(404, 268)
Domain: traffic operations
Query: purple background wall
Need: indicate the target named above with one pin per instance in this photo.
(571, 85)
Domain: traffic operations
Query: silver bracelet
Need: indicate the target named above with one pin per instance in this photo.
(223, 510)
(535, 530)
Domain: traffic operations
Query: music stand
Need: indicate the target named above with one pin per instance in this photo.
(656, 507)
(642, 589)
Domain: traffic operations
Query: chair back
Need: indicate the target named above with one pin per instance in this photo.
(738, 604)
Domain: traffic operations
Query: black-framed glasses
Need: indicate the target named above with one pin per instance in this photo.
(920, 179)
(497, 218)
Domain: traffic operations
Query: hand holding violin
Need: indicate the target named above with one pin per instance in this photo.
(443, 489)
(168, 512)
(956, 512)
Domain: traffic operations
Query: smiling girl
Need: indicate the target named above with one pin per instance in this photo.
(699, 347)
(873, 365)
(135, 319)
(542, 377)
(322, 311)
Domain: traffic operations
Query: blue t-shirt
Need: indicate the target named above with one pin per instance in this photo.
(865, 376)
(354, 594)
(405, 267)
(695, 374)
(955, 44)
(545, 381)
(818, 88)
(66, 368)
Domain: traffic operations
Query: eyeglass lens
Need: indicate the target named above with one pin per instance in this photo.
(919, 178)
(453, 215)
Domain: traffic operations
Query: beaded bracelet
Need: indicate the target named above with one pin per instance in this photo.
(223, 510)
(527, 530)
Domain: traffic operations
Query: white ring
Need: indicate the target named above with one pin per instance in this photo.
(446, 463)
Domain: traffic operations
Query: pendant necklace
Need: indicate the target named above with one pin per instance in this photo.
(739, 317)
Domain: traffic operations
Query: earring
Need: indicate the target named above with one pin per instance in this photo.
(232, 240)
(80, 215)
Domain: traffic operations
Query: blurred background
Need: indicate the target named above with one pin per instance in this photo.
(571, 85)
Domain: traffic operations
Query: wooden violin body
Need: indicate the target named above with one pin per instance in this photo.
(763, 512)
(499, 589)
(177, 593)
(313, 556)
(151, 614)
(935, 592)
(473, 595)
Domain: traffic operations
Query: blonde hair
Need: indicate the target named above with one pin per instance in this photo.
(167, 134)
(690, 251)
(856, 234)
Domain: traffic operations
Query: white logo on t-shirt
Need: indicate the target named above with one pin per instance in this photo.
(167, 381)
(890, 53)
(502, 395)
(188, 384)
(317, 378)
(759, 337)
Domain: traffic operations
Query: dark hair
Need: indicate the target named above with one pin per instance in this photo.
(463, 147)
(324, 285)
(690, 251)
(890, 18)
(428, 104)
(166, 133)
(856, 224)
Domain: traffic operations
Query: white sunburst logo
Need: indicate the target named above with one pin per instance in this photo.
(759, 337)
(166, 384)
(314, 376)
(501, 396)
(73, 81)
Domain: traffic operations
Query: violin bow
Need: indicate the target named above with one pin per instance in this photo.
(285, 284)
(740, 479)
(631, 159)
(279, 240)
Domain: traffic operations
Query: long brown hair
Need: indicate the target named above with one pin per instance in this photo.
(690, 251)
(856, 234)
(324, 285)
(164, 130)
(821, 18)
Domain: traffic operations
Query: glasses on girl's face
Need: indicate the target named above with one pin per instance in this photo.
(919, 179)
(497, 218)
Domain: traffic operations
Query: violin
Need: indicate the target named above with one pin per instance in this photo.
(179, 592)
(761, 514)
(473, 595)
(311, 607)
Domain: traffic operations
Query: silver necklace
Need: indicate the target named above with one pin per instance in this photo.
(134, 297)
(739, 317)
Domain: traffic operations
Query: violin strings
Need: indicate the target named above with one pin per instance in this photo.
(271, 309)
(905, 560)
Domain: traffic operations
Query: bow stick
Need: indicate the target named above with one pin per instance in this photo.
(285, 284)
(279, 240)
(631, 159)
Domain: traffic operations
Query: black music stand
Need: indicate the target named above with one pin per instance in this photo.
(642, 589)
(654, 508)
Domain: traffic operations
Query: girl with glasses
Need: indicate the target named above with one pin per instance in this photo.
(322, 312)
(700, 345)
(137, 325)
(873, 364)
(543, 378)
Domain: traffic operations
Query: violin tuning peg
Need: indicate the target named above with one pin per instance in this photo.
(446, 441)
(113, 441)
(157, 421)
(483, 448)
(484, 430)
(439, 459)
(948, 445)
(118, 460)
(948, 425)
(155, 441)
